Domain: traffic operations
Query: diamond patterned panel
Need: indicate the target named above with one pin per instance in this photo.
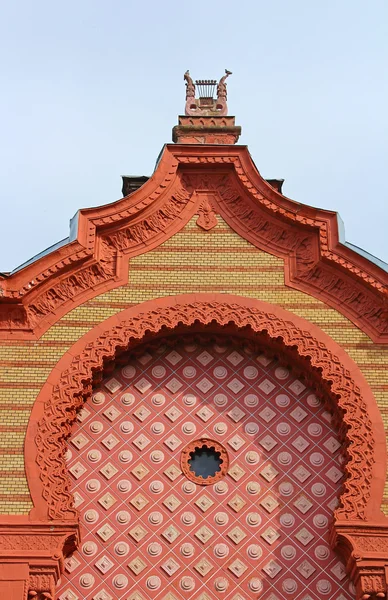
(261, 532)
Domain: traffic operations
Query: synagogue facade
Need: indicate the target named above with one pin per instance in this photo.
(194, 392)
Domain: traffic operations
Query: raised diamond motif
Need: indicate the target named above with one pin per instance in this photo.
(174, 385)
(104, 564)
(68, 595)
(204, 534)
(237, 567)
(172, 503)
(266, 386)
(339, 571)
(138, 533)
(235, 358)
(170, 534)
(144, 358)
(137, 565)
(78, 499)
(77, 470)
(71, 564)
(332, 444)
(142, 413)
(110, 441)
(102, 595)
(173, 413)
(172, 472)
(298, 414)
(107, 501)
(108, 471)
(204, 503)
(203, 567)
(173, 358)
(306, 569)
(113, 385)
(236, 535)
(300, 443)
(334, 474)
(168, 596)
(139, 502)
(105, 532)
(269, 503)
(332, 505)
(170, 566)
(270, 535)
(301, 473)
(236, 503)
(268, 442)
(202, 596)
(143, 385)
(205, 358)
(267, 414)
(141, 441)
(297, 387)
(83, 414)
(135, 596)
(204, 413)
(236, 414)
(304, 536)
(204, 385)
(236, 442)
(235, 385)
(303, 504)
(272, 568)
(79, 441)
(264, 360)
(172, 442)
(269, 472)
(140, 471)
(236, 472)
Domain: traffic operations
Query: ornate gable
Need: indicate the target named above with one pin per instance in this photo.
(206, 180)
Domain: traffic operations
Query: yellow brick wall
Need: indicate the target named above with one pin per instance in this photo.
(191, 261)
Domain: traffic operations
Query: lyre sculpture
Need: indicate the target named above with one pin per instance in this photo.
(206, 119)
(212, 96)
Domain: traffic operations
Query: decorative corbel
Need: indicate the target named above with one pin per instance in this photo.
(32, 557)
(364, 547)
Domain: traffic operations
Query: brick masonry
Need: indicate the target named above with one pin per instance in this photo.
(193, 260)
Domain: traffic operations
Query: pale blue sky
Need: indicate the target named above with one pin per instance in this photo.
(92, 88)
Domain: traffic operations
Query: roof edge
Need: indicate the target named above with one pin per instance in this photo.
(102, 239)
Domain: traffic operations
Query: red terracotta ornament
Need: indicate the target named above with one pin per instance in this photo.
(360, 531)
(206, 216)
(186, 455)
(34, 298)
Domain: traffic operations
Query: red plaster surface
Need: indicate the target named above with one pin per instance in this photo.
(260, 532)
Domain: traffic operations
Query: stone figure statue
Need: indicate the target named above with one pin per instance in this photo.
(221, 87)
(190, 86)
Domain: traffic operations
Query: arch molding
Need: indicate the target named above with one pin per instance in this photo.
(359, 530)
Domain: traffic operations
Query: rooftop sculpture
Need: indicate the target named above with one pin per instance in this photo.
(212, 96)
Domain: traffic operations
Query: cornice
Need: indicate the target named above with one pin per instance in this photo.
(224, 180)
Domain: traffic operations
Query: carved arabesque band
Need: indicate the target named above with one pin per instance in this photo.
(74, 385)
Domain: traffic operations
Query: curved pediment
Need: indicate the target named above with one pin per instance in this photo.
(204, 180)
